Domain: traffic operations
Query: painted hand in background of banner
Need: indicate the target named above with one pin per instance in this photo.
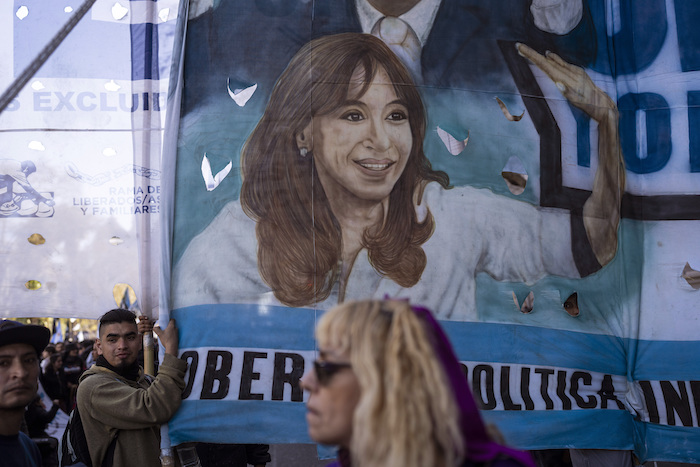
(601, 212)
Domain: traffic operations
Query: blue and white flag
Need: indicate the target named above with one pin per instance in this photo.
(564, 262)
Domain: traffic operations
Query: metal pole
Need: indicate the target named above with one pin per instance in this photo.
(44, 55)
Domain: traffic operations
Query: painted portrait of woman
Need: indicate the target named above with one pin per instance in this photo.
(339, 201)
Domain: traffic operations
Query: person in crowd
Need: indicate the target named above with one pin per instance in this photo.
(551, 457)
(38, 419)
(86, 355)
(46, 356)
(92, 357)
(54, 382)
(388, 390)
(601, 458)
(20, 348)
(233, 455)
(73, 367)
(60, 347)
(121, 409)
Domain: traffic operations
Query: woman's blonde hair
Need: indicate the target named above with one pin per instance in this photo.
(407, 415)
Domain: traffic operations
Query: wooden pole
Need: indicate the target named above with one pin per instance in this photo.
(148, 360)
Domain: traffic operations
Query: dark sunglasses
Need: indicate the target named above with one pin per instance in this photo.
(325, 370)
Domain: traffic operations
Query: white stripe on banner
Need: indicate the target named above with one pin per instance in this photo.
(234, 373)
(229, 373)
(673, 403)
(134, 12)
(513, 386)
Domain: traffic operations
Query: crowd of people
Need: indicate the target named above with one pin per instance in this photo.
(62, 364)
(369, 353)
(121, 408)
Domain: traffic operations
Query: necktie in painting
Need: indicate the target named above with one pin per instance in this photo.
(403, 41)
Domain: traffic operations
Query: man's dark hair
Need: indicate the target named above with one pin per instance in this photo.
(118, 315)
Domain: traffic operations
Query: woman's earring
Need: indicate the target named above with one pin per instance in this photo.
(303, 152)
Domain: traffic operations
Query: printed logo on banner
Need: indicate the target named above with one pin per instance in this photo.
(114, 200)
(103, 177)
(18, 198)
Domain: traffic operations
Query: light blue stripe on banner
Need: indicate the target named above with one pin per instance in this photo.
(249, 326)
(511, 343)
(277, 327)
(243, 421)
(253, 326)
(667, 360)
(284, 422)
(678, 444)
(599, 429)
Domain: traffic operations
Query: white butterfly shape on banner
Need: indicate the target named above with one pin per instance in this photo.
(213, 181)
(241, 96)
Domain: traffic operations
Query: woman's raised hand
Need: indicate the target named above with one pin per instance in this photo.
(573, 82)
(601, 211)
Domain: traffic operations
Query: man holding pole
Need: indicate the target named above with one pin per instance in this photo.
(122, 409)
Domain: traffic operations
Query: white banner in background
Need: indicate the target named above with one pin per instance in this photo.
(80, 176)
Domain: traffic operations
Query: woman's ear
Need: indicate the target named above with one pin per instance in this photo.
(304, 140)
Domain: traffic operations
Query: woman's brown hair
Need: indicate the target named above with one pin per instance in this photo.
(299, 238)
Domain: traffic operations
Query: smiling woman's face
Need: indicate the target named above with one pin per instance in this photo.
(360, 150)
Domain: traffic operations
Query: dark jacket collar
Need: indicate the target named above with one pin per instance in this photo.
(131, 372)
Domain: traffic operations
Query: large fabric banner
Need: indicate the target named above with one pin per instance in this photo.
(80, 178)
(530, 171)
